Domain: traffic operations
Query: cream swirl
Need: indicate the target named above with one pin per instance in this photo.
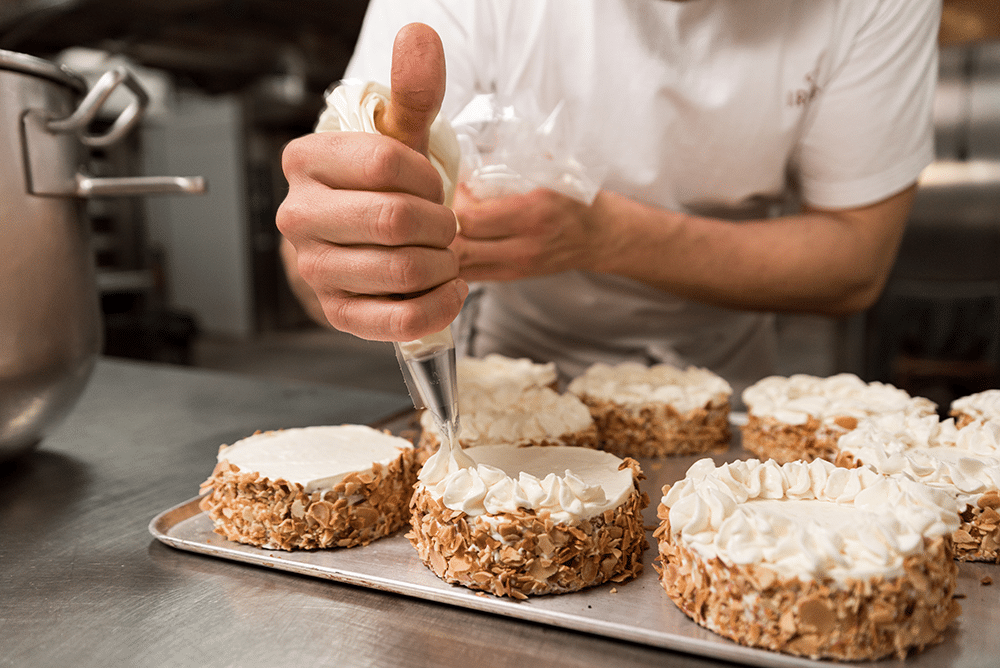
(805, 520)
(982, 405)
(570, 484)
(797, 398)
(964, 462)
(635, 385)
(509, 414)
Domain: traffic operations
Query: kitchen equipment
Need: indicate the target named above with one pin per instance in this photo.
(430, 369)
(50, 320)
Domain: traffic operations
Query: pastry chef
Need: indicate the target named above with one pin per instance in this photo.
(757, 157)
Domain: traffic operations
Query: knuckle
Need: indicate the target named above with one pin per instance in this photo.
(384, 220)
(339, 313)
(309, 267)
(293, 158)
(408, 323)
(313, 265)
(383, 164)
(404, 273)
(289, 215)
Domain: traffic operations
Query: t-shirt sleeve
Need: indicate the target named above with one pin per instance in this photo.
(871, 132)
(451, 19)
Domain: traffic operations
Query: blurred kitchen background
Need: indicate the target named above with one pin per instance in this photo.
(197, 280)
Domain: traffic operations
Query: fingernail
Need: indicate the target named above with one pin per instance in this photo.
(463, 288)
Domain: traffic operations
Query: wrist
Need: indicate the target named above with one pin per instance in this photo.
(606, 233)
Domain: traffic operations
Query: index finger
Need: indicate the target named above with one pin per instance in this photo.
(360, 161)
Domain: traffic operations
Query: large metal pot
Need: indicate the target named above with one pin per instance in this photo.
(50, 320)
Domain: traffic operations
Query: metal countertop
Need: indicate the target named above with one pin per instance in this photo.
(83, 583)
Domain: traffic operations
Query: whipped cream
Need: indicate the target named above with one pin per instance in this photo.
(352, 105)
(496, 370)
(806, 520)
(963, 462)
(315, 457)
(635, 385)
(510, 415)
(794, 399)
(571, 484)
(982, 405)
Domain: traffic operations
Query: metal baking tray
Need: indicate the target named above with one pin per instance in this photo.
(637, 611)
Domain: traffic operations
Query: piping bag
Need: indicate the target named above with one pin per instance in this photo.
(403, 112)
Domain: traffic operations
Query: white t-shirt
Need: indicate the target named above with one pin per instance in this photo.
(735, 109)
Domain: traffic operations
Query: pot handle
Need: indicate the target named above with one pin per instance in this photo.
(89, 186)
(50, 148)
(77, 121)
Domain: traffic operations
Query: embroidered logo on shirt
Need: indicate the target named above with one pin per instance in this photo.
(803, 96)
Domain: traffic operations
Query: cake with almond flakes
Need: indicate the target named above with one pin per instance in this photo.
(656, 411)
(527, 521)
(802, 416)
(512, 415)
(810, 559)
(311, 487)
(963, 462)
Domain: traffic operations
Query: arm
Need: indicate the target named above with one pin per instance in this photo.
(820, 261)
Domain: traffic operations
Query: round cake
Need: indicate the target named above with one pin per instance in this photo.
(964, 462)
(528, 521)
(980, 406)
(656, 411)
(312, 487)
(808, 558)
(515, 416)
(495, 370)
(801, 416)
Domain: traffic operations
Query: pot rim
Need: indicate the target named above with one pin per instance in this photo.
(33, 66)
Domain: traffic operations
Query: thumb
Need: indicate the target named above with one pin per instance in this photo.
(417, 83)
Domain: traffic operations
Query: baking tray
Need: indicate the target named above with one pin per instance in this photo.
(637, 611)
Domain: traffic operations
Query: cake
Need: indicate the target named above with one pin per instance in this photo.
(809, 559)
(964, 462)
(980, 406)
(802, 416)
(311, 487)
(508, 414)
(656, 411)
(529, 521)
(495, 370)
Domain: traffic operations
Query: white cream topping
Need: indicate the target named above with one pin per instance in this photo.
(496, 370)
(635, 385)
(964, 462)
(507, 414)
(570, 483)
(315, 457)
(806, 520)
(982, 405)
(794, 399)
(352, 106)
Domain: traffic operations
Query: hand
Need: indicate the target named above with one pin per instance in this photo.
(365, 212)
(520, 236)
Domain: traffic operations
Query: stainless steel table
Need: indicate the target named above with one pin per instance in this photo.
(83, 583)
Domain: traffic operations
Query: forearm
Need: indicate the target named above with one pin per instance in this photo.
(821, 262)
